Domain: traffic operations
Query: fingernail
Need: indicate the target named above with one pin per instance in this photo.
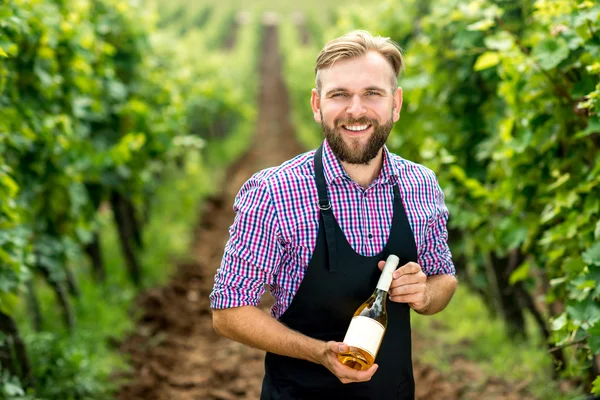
(341, 347)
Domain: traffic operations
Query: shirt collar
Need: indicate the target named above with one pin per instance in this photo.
(333, 170)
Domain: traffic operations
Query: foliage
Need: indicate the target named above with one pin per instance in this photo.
(93, 100)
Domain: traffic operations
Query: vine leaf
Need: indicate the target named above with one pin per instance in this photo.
(550, 52)
(592, 255)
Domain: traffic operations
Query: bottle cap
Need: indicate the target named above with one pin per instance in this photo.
(388, 270)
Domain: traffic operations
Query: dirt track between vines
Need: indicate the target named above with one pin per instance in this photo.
(174, 351)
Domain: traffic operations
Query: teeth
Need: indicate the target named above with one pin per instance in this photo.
(357, 128)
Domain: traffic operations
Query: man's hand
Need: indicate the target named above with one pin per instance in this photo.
(409, 285)
(345, 374)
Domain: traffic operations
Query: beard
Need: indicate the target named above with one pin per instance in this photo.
(355, 153)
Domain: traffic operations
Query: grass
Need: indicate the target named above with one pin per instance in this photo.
(465, 328)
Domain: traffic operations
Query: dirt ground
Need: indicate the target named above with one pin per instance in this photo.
(175, 353)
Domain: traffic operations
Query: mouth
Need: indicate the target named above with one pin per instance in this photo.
(356, 129)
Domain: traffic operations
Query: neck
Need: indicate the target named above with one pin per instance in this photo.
(363, 174)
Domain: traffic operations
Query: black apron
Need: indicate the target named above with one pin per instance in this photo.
(336, 282)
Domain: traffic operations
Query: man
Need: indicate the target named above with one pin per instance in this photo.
(318, 228)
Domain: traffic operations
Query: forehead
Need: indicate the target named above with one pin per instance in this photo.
(357, 73)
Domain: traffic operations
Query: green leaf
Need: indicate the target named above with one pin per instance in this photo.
(486, 60)
(550, 52)
(558, 281)
(482, 25)
(592, 127)
(596, 385)
(584, 311)
(519, 274)
(500, 41)
(559, 322)
(12, 389)
(592, 255)
(594, 340)
(8, 302)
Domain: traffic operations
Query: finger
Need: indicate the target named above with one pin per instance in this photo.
(352, 375)
(408, 268)
(408, 280)
(407, 289)
(407, 298)
(337, 347)
(380, 265)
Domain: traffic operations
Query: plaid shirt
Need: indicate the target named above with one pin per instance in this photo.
(275, 229)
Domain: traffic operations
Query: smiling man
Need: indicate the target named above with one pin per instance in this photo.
(317, 228)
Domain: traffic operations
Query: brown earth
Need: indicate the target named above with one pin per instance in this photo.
(174, 351)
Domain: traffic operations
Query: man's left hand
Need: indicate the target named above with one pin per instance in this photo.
(409, 285)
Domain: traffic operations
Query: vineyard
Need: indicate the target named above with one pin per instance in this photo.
(128, 127)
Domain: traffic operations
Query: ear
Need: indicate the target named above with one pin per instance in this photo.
(315, 103)
(397, 104)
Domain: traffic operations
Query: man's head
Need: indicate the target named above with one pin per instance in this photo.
(357, 99)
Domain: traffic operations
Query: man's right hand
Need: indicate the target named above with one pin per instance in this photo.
(345, 374)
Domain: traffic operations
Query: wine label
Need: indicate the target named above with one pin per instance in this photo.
(365, 333)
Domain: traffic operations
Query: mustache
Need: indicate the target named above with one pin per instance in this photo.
(359, 121)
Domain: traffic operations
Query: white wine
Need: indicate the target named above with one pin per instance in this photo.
(369, 322)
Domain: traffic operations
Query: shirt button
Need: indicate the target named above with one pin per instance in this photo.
(370, 236)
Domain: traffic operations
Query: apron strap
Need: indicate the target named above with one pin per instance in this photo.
(397, 196)
(325, 207)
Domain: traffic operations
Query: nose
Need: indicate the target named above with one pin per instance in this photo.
(356, 107)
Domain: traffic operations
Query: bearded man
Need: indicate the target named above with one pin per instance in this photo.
(317, 229)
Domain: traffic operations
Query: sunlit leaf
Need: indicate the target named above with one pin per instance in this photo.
(500, 41)
(559, 322)
(486, 60)
(482, 25)
(519, 274)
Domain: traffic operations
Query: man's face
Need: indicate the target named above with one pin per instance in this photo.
(357, 106)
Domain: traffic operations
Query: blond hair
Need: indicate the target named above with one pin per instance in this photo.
(356, 44)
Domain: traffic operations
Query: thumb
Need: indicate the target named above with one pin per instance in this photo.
(380, 265)
(338, 347)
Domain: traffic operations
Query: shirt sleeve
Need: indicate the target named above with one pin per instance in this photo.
(434, 253)
(251, 253)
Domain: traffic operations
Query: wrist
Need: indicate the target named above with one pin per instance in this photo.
(318, 351)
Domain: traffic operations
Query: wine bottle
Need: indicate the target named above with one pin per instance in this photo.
(367, 327)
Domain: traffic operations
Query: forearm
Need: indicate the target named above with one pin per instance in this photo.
(438, 291)
(253, 327)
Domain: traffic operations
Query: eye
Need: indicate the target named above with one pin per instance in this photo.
(372, 93)
(338, 95)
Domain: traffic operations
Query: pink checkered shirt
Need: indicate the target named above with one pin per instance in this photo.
(277, 218)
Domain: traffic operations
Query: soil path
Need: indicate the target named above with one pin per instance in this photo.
(176, 354)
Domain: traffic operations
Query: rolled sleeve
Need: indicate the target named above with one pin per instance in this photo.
(434, 254)
(251, 253)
